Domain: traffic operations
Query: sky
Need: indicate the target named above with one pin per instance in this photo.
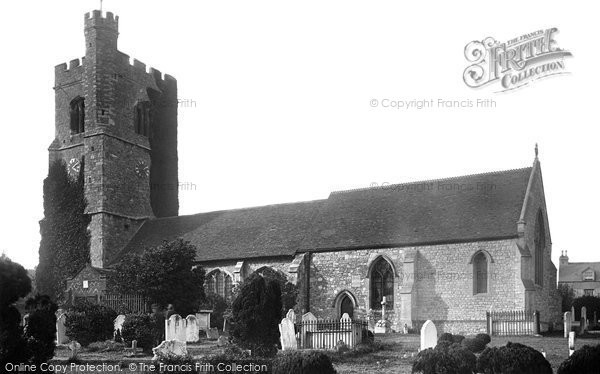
(287, 101)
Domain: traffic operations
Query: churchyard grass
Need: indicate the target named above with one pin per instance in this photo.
(392, 353)
(395, 355)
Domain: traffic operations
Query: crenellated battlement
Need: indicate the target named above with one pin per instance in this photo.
(96, 19)
(142, 67)
(69, 70)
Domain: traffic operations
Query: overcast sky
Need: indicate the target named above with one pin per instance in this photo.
(280, 101)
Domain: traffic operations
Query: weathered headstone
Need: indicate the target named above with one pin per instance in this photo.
(212, 333)
(192, 332)
(226, 325)
(170, 348)
(75, 347)
(175, 328)
(405, 329)
(568, 323)
(118, 326)
(429, 335)
(287, 335)
(203, 319)
(573, 313)
(309, 324)
(291, 315)
(134, 350)
(61, 329)
(583, 322)
(571, 343)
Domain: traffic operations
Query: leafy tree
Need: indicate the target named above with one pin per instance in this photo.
(256, 313)
(568, 296)
(164, 274)
(14, 284)
(64, 248)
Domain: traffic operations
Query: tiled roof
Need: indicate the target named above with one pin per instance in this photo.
(266, 231)
(467, 208)
(480, 206)
(573, 272)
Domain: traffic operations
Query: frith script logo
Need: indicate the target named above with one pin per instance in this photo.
(516, 62)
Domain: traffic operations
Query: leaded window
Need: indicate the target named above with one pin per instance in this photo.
(382, 284)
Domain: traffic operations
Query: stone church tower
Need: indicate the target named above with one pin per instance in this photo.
(117, 123)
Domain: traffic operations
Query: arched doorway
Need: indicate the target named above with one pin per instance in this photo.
(345, 302)
(347, 306)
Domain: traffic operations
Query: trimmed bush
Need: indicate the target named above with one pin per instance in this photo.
(445, 337)
(585, 360)
(138, 327)
(87, 323)
(298, 362)
(513, 358)
(474, 345)
(256, 316)
(445, 358)
(40, 331)
(458, 338)
(485, 338)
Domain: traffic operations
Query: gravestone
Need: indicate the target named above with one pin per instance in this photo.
(212, 333)
(571, 343)
(568, 323)
(291, 315)
(61, 329)
(429, 335)
(134, 350)
(118, 326)
(287, 335)
(583, 322)
(309, 324)
(192, 332)
(573, 313)
(203, 319)
(75, 347)
(226, 325)
(382, 326)
(405, 329)
(170, 348)
(175, 329)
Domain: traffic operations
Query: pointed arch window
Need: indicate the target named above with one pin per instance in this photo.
(480, 274)
(382, 284)
(141, 118)
(540, 248)
(77, 115)
(220, 283)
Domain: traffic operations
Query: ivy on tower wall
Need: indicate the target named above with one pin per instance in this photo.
(65, 245)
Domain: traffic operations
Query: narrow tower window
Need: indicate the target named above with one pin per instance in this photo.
(77, 112)
(142, 118)
(480, 274)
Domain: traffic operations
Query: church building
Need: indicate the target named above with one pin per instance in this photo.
(446, 250)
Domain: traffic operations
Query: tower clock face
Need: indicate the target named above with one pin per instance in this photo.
(142, 170)
(74, 167)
